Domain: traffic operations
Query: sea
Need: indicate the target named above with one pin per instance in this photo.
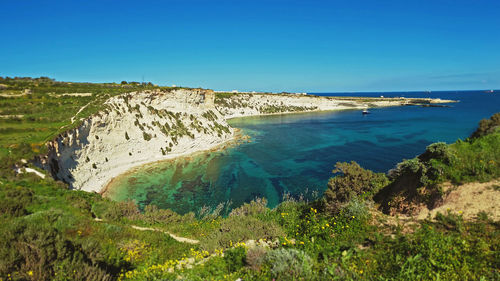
(293, 155)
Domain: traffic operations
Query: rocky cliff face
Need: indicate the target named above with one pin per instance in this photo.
(132, 129)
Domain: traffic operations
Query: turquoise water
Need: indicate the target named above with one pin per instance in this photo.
(296, 153)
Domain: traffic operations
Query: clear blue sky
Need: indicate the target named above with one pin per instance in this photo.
(257, 45)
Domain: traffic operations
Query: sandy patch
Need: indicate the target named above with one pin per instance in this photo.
(469, 200)
(11, 116)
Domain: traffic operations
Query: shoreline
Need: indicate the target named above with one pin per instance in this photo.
(131, 167)
(388, 102)
(233, 140)
(237, 136)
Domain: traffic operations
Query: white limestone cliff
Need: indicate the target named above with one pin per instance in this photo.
(133, 129)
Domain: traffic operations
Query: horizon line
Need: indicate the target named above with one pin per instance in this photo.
(248, 91)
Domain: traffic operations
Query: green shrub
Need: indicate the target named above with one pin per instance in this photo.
(353, 182)
(34, 250)
(146, 136)
(14, 200)
(255, 207)
(487, 126)
(438, 151)
(414, 183)
(290, 215)
(413, 170)
(235, 258)
(255, 258)
(117, 211)
(207, 213)
(478, 160)
(356, 208)
(153, 215)
(289, 264)
(239, 229)
(78, 201)
(214, 269)
(443, 249)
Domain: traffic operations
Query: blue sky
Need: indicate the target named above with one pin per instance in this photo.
(314, 46)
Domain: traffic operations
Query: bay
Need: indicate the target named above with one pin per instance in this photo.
(296, 153)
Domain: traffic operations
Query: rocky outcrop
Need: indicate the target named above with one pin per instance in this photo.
(133, 129)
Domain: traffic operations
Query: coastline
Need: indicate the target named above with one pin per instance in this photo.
(237, 136)
(384, 102)
(296, 112)
(233, 140)
(132, 166)
(152, 126)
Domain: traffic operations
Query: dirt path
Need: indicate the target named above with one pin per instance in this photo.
(175, 237)
(76, 114)
(81, 109)
(13, 95)
(71, 95)
(11, 116)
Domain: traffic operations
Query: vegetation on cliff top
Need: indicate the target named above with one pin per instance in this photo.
(36, 110)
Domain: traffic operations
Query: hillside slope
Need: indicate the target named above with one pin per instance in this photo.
(134, 128)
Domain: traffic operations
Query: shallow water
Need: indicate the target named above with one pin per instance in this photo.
(296, 153)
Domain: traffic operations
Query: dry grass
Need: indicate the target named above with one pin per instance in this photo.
(469, 200)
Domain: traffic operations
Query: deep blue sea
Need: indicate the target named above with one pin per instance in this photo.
(296, 153)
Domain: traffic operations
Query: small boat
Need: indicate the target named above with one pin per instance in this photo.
(365, 112)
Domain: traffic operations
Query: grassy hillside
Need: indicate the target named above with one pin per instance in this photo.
(35, 110)
(416, 182)
(50, 233)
